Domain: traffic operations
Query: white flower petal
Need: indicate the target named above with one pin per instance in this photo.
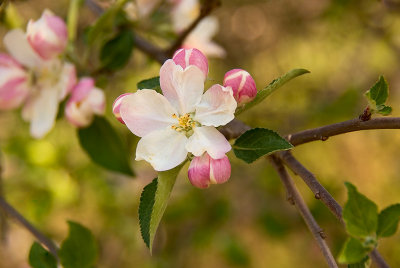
(19, 47)
(163, 149)
(44, 111)
(67, 80)
(217, 107)
(146, 111)
(210, 140)
(182, 88)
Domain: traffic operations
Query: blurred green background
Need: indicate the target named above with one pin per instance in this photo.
(246, 222)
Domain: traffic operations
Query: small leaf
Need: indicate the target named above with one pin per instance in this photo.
(116, 53)
(39, 257)
(79, 249)
(384, 110)
(352, 251)
(153, 202)
(378, 93)
(152, 83)
(388, 221)
(360, 214)
(274, 85)
(364, 263)
(104, 146)
(257, 142)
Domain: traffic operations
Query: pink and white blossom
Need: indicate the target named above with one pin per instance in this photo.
(205, 170)
(193, 56)
(48, 35)
(243, 85)
(117, 107)
(44, 80)
(183, 120)
(86, 101)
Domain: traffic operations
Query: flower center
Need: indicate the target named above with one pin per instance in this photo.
(185, 123)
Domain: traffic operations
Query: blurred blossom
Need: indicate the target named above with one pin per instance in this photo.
(34, 74)
(181, 120)
(243, 85)
(183, 14)
(86, 101)
(140, 8)
(117, 107)
(205, 170)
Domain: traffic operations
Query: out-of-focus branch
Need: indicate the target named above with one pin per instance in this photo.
(319, 191)
(12, 213)
(3, 219)
(298, 201)
(323, 133)
(206, 8)
(378, 259)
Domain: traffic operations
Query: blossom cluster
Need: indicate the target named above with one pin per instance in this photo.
(182, 122)
(36, 76)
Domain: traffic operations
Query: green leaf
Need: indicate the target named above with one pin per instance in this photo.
(257, 142)
(360, 214)
(79, 249)
(378, 93)
(384, 110)
(153, 202)
(388, 221)
(152, 83)
(104, 146)
(364, 263)
(274, 85)
(40, 257)
(352, 251)
(116, 53)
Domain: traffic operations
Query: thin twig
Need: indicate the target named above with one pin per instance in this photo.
(323, 133)
(319, 191)
(205, 10)
(12, 213)
(378, 259)
(295, 196)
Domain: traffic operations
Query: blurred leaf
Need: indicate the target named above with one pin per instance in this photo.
(79, 249)
(359, 213)
(364, 263)
(153, 202)
(236, 253)
(377, 96)
(10, 16)
(352, 251)
(274, 85)
(116, 53)
(39, 257)
(104, 146)
(257, 142)
(152, 83)
(388, 221)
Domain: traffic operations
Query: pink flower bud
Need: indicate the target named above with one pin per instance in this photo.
(117, 107)
(204, 170)
(86, 100)
(48, 35)
(192, 56)
(243, 86)
(13, 83)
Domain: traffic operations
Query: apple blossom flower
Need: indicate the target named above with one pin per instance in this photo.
(86, 101)
(117, 107)
(48, 35)
(205, 170)
(48, 79)
(193, 56)
(243, 85)
(183, 120)
(140, 8)
(184, 13)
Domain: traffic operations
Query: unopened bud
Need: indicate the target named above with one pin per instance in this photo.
(117, 106)
(243, 85)
(204, 170)
(186, 57)
(48, 35)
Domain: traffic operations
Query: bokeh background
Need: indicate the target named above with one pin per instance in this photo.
(346, 44)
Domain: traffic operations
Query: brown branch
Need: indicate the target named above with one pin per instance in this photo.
(378, 259)
(205, 10)
(3, 216)
(323, 133)
(296, 198)
(12, 213)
